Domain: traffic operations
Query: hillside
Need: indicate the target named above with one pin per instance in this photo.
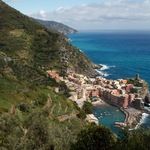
(34, 115)
(28, 101)
(29, 44)
(27, 51)
(56, 26)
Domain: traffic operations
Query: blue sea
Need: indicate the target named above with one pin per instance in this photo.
(108, 115)
(123, 54)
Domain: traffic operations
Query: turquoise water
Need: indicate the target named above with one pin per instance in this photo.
(108, 115)
(123, 54)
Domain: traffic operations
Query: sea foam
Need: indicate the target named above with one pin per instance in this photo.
(102, 71)
(106, 67)
(142, 120)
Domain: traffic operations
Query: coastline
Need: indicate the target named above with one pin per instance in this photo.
(126, 114)
(132, 118)
(142, 120)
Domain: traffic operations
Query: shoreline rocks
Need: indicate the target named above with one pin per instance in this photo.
(92, 119)
(97, 66)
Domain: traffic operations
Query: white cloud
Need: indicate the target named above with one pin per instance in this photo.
(43, 14)
(107, 14)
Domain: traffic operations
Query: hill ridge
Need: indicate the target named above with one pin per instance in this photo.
(57, 26)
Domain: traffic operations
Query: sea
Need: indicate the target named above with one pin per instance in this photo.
(123, 54)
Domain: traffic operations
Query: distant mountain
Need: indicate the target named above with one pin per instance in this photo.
(57, 26)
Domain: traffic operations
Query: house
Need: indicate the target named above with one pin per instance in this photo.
(129, 87)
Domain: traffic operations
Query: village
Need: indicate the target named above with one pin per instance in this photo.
(120, 93)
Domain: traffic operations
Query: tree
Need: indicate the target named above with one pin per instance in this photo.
(147, 98)
(135, 140)
(64, 89)
(81, 114)
(87, 107)
(94, 137)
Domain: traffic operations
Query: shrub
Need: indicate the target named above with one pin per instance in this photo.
(95, 137)
(81, 114)
(87, 107)
(41, 100)
(24, 107)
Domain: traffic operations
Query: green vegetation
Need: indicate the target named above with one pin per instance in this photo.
(35, 120)
(94, 138)
(32, 115)
(87, 107)
(138, 139)
(14, 92)
(135, 82)
(100, 138)
(81, 114)
(36, 130)
(31, 45)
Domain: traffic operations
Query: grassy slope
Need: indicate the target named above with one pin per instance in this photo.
(14, 92)
(31, 48)
(27, 50)
(35, 97)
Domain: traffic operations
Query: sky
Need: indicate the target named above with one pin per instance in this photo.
(89, 14)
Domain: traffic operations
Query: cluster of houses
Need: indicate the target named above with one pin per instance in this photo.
(118, 92)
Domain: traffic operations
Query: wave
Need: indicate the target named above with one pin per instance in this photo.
(142, 120)
(102, 73)
(70, 40)
(106, 67)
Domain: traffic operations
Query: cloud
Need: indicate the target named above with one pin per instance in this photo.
(43, 14)
(108, 13)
